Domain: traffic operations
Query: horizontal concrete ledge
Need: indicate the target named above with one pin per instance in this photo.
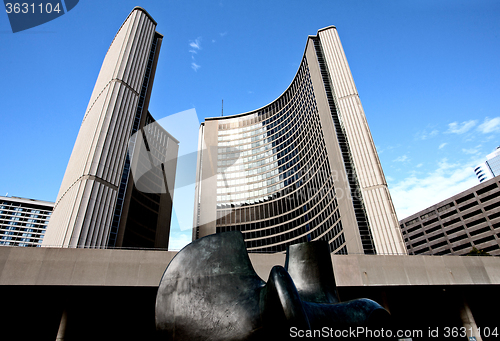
(361, 270)
(87, 267)
(94, 267)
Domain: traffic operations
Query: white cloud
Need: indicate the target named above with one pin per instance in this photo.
(490, 125)
(472, 151)
(195, 66)
(441, 146)
(195, 47)
(196, 44)
(460, 128)
(413, 194)
(401, 159)
(424, 135)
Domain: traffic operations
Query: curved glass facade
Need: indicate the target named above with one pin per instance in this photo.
(274, 182)
(301, 168)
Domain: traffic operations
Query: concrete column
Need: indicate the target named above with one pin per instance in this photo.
(468, 320)
(384, 301)
(61, 332)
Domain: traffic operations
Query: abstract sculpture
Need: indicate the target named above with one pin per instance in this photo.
(210, 291)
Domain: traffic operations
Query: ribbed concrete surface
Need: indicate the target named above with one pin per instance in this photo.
(377, 199)
(85, 204)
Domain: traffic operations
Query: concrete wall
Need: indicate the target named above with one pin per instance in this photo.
(82, 267)
(91, 267)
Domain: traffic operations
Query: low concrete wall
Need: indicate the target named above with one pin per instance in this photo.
(94, 267)
(87, 267)
(361, 270)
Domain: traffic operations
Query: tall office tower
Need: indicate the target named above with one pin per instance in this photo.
(96, 189)
(23, 222)
(303, 167)
(490, 168)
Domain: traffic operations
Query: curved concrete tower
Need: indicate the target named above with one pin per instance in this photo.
(87, 199)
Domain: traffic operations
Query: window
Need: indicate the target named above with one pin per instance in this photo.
(466, 207)
(432, 221)
(487, 189)
(449, 214)
(482, 230)
(435, 237)
(476, 222)
(445, 207)
(427, 215)
(411, 222)
(490, 197)
(460, 237)
(451, 222)
(455, 230)
(461, 247)
(463, 199)
(472, 214)
(433, 229)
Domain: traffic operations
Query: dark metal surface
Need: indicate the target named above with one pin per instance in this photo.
(310, 266)
(210, 291)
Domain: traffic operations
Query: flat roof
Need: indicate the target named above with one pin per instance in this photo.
(27, 201)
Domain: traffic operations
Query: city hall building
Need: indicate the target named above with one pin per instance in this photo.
(301, 168)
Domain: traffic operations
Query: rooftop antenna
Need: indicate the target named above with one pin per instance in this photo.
(222, 113)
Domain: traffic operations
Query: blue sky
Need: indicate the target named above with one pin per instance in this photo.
(427, 72)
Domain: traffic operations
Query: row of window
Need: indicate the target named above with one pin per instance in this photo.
(334, 235)
(296, 209)
(269, 129)
(305, 206)
(296, 176)
(295, 156)
(480, 192)
(263, 153)
(290, 173)
(283, 153)
(21, 212)
(453, 235)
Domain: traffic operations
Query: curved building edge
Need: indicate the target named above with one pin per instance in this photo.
(382, 218)
(277, 98)
(298, 228)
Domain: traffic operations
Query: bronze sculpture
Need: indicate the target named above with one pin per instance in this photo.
(210, 291)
